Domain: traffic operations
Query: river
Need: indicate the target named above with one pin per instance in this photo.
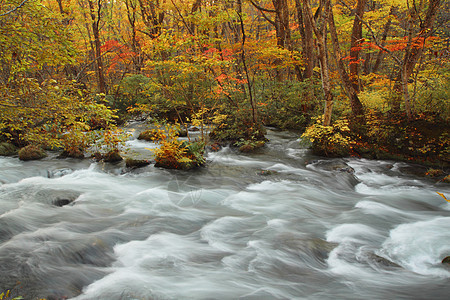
(277, 224)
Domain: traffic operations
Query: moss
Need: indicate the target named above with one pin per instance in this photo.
(32, 152)
(7, 149)
(136, 163)
(112, 156)
(74, 153)
(251, 146)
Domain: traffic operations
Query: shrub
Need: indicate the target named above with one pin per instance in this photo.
(175, 154)
(331, 140)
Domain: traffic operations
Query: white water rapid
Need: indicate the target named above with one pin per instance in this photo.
(311, 228)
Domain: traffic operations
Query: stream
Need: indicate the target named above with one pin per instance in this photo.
(277, 224)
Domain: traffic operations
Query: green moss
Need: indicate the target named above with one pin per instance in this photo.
(32, 152)
(7, 149)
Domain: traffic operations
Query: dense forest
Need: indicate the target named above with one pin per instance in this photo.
(357, 77)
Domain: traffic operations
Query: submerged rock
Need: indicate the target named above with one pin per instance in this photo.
(59, 172)
(267, 172)
(381, 261)
(62, 202)
(32, 152)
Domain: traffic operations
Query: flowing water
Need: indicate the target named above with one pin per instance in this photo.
(278, 224)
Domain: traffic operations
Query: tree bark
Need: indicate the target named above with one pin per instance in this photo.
(349, 86)
(306, 32)
(320, 30)
(355, 43)
(152, 17)
(412, 54)
(96, 12)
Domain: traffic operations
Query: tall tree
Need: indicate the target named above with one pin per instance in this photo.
(416, 39)
(349, 80)
(319, 22)
(306, 32)
(96, 10)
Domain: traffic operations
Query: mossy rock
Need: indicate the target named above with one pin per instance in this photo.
(251, 146)
(74, 153)
(146, 135)
(151, 135)
(434, 173)
(112, 156)
(7, 149)
(136, 163)
(446, 260)
(32, 152)
(182, 133)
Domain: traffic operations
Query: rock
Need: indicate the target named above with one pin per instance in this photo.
(32, 152)
(62, 202)
(136, 163)
(348, 170)
(74, 153)
(182, 133)
(97, 156)
(446, 179)
(146, 135)
(112, 156)
(434, 173)
(267, 172)
(7, 149)
(381, 261)
(251, 146)
(446, 260)
(214, 147)
(59, 172)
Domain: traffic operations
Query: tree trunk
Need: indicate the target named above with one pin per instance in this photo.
(96, 16)
(252, 101)
(306, 32)
(412, 54)
(320, 30)
(355, 42)
(352, 93)
(135, 46)
(380, 53)
(152, 16)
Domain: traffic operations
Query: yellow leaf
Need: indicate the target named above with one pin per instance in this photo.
(443, 196)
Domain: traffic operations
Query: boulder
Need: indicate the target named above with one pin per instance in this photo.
(446, 260)
(146, 135)
(182, 133)
(32, 152)
(112, 156)
(7, 149)
(74, 153)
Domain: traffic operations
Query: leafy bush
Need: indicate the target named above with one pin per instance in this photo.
(331, 140)
(289, 104)
(237, 126)
(176, 154)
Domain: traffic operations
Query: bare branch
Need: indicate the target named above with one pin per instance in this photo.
(262, 8)
(14, 9)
